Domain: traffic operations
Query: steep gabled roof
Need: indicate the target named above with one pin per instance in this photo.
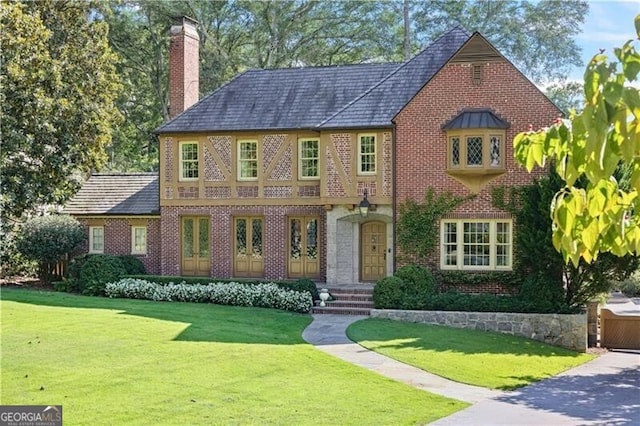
(378, 106)
(288, 98)
(117, 194)
(352, 96)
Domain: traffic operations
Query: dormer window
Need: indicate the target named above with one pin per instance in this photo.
(475, 147)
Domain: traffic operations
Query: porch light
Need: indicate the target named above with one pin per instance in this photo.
(364, 205)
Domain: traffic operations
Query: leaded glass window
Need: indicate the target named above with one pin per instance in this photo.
(203, 237)
(474, 151)
(241, 237)
(96, 239)
(296, 239)
(138, 240)
(455, 151)
(494, 151)
(256, 237)
(312, 239)
(187, 238)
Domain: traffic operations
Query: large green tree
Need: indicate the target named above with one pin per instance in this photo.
(237, 34)
(536, 36)
(604, 137)
(58, 87)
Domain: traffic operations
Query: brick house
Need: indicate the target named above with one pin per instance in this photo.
(264, 177)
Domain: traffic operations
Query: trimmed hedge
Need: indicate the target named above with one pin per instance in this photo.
(266, 295)
(301, 285)
(411, 288)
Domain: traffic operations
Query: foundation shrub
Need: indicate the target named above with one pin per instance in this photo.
(97, 271)
(132, 265)
(387, 293)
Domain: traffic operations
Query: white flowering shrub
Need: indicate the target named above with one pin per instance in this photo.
(267, 295)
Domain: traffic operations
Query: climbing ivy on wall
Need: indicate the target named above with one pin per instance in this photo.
(417, 226)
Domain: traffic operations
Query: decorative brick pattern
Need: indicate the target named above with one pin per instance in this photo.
(343, 145)
(222, 145)
(212, 172)
(275, 237)
(278, 191)
(247, 192)
(117, 240)
(421, 144)
(270, 146)
(309, 191)
(334, 185)
(168, 159)
(369, 186)
(188, 192)
(387, 165)
(217, 192)
(283, 171)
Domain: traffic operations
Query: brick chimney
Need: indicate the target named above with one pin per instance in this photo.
(184, 75)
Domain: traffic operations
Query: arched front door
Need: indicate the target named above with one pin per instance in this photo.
(373, 251)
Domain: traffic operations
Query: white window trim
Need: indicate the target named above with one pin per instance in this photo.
(238, 160)
(133, 240)
(181, 177)
(300, 176)
(460, 245)
(91, 229)
(375, 153)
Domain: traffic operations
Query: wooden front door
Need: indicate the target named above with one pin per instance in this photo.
(304, 254)
(195, 251)
(373, 251)
(248, 259)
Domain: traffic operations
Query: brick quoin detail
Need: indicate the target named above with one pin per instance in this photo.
(421, 144)
(275, 235)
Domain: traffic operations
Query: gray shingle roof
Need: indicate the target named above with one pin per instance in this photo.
(352, 96)
(117, 194)
(476, 119)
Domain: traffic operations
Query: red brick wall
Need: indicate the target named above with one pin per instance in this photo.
(421, 144)
(184, 74)
(117, 239)
(274, 237)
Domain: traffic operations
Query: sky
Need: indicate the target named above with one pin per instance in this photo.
(609, 24)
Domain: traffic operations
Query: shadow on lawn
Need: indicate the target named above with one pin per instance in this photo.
(402, 335)
(606, 398)
(206, 322)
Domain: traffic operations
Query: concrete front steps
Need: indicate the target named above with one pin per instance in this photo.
(347, 301)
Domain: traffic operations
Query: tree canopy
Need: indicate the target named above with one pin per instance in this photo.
(236, 35)
(604, 138)
(57, 103)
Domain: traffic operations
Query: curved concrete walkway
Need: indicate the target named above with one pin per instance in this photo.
(328, 333)
(605, 391)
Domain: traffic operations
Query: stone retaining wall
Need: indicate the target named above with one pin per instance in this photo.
(568, 331)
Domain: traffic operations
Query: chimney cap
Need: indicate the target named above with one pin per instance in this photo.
(184, 20)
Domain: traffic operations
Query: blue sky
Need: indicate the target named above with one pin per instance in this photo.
(609, 24)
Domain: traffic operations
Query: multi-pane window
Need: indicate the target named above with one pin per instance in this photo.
(309, 154)
(476, 244)
(188, 161)
(367, 154)
(96, 239)
(247, 160)
(478, 151)
(138, 240)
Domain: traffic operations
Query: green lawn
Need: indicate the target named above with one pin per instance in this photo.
(115, 361)
(491, 360)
